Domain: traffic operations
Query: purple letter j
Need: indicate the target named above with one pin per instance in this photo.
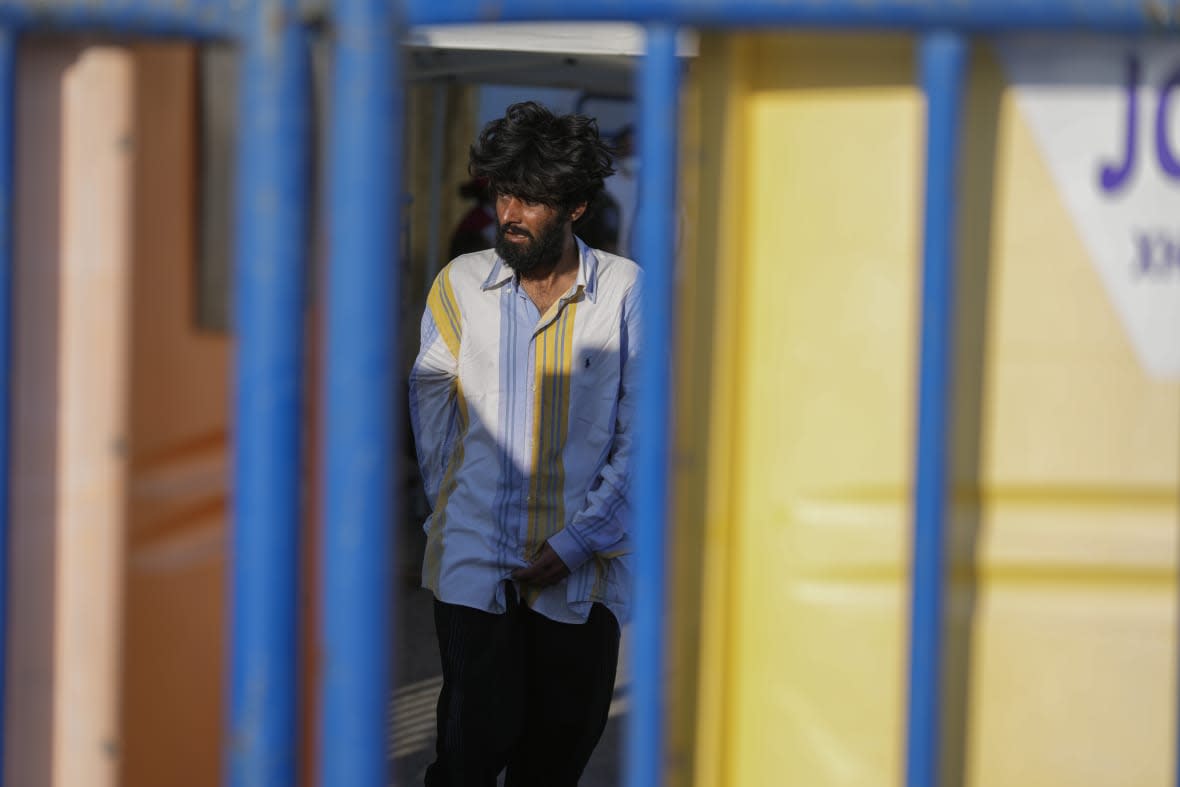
(1112, 178)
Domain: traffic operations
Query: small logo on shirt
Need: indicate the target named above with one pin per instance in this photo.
(587, 364)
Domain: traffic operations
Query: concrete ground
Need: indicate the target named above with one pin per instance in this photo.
(419, 679)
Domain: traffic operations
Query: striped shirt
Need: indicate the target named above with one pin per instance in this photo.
(523, 428)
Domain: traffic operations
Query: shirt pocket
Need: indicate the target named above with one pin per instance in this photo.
(594, 404)
(595, 374)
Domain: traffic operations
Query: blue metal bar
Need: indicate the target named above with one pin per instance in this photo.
(943, 69)
(220, 18)
(363, 394)
(659, 120)
(202, 19)
(273, 191)
(8, 43)
(1106, 16)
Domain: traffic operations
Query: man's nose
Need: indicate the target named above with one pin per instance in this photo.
(509, 210)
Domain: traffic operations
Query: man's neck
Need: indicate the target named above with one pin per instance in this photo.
(545, 286)
(547, 277)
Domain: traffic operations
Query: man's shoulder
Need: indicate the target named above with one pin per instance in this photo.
(469, 270)
(616, 273)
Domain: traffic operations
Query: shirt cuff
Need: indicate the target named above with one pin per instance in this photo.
(567, 547)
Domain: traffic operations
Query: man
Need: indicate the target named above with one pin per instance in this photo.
(522, 399)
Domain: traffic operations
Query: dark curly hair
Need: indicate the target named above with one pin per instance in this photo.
(531, 153)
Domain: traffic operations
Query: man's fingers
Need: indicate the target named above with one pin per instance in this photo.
(526, 574)
(533, 574)
(547, 569)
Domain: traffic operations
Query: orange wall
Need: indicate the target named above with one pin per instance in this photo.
(120, 440)
(177, 490)
(121, 443)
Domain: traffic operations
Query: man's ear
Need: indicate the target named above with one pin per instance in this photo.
(577, 212)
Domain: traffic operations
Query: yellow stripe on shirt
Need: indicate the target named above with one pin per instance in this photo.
(599, 591)
(444, 308)
(553, 367)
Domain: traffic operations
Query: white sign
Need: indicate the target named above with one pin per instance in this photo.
(1106, 116)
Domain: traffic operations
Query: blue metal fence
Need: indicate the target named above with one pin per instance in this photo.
(943, 73)
(362, 394)
(274, 146)
(361, 389)
(658, 126)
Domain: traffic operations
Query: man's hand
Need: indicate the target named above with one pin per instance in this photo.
(546, 570)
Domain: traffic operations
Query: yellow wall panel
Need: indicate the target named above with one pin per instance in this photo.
(1062, 603)
(1072, 678)
(821, 256)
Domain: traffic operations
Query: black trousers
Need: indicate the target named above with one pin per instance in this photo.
(520, 692)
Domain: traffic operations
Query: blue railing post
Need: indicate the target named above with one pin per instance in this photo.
(659, 89)
(271, 253)
(363, 395)
(8, 41)
(943, 74)
(1052, 16)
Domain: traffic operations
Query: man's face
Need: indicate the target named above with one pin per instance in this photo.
(529, 235)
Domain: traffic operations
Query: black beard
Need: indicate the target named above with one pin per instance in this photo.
(538, 252)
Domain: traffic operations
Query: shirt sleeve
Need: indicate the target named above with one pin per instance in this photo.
(433, 394)
(603, 525)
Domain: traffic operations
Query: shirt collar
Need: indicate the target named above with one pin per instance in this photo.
(499, 275)
(587, 272)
